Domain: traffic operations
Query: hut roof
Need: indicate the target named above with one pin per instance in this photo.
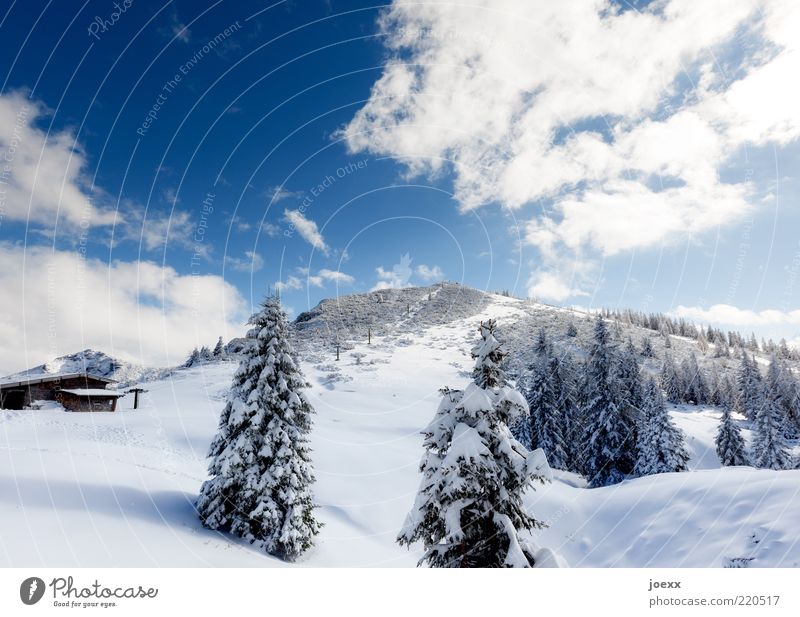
(42, 378)
(95, 392)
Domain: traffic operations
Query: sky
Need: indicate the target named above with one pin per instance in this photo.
(164, 165)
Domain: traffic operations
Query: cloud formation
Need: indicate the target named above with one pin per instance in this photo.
(305, 278)
(43, 176)
(616, 122)
(307, 230)
(726, 314)
(251, 262)
(57, 302)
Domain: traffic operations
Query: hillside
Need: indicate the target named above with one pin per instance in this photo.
(118, 489)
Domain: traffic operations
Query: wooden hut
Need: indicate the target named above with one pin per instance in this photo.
(75, 391)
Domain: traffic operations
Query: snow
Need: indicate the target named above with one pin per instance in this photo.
(119, 489)
(94, 392)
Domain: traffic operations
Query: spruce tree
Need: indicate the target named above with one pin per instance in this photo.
(193, 359)
(567, 396)
(261, 473)
(469, 511)
(660, 443)
(541, 346)
(748, 387)
(770, 450)
(629, 375)
(219, 349)
(546, 416)
(670, 380)
(695, 390)
(609, 447)
(730, 444)
(647, 348)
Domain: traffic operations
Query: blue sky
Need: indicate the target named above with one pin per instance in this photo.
(170, 162)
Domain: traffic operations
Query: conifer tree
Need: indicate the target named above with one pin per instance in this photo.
(572, 330)
(630, 377)
(647, 348)
(730, 444)
(567, 392)
(193, 359)
(695, 390)
(670, 380)
(660, 443)
(219, 349)
(260, 468)
(546, 417)
(609, 447)
(469, 511)
(770, 450)
(541, 346)
(748, 387)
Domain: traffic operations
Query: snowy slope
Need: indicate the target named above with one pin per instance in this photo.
(118, 489)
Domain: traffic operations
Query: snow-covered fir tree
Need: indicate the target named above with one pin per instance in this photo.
(541, 346)
(660, 444)
(469, 511)
(205, 354)
(572, 330)
(547, 424)
(787, 385)
(647, 348)
(567, 393)
(730, 444)
(629, 375)
(748, 387)
(261, 473)
(716, 388)
(695, 390)
(219, 349)
(609, 448)
(670, 380)
(770, 449)
(193, 359)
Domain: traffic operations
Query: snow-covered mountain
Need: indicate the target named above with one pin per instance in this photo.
(394, 314)
(119, 489)
(97, 363)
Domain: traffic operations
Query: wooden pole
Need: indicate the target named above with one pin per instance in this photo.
(136, 392)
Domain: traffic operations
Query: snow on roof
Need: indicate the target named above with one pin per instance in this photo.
(94, 392)
(17, 381)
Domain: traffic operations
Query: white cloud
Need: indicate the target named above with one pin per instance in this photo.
(291, 282)
(429, 273)
(238, 223)
(550, 286)
(314, 280)
(43, 176)
(399, 276)
(307, 230)
(337, 276)
(270, 229)
(55, 302)
(729, 315)
(251, 262)
(278, 193)
(578, 104)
